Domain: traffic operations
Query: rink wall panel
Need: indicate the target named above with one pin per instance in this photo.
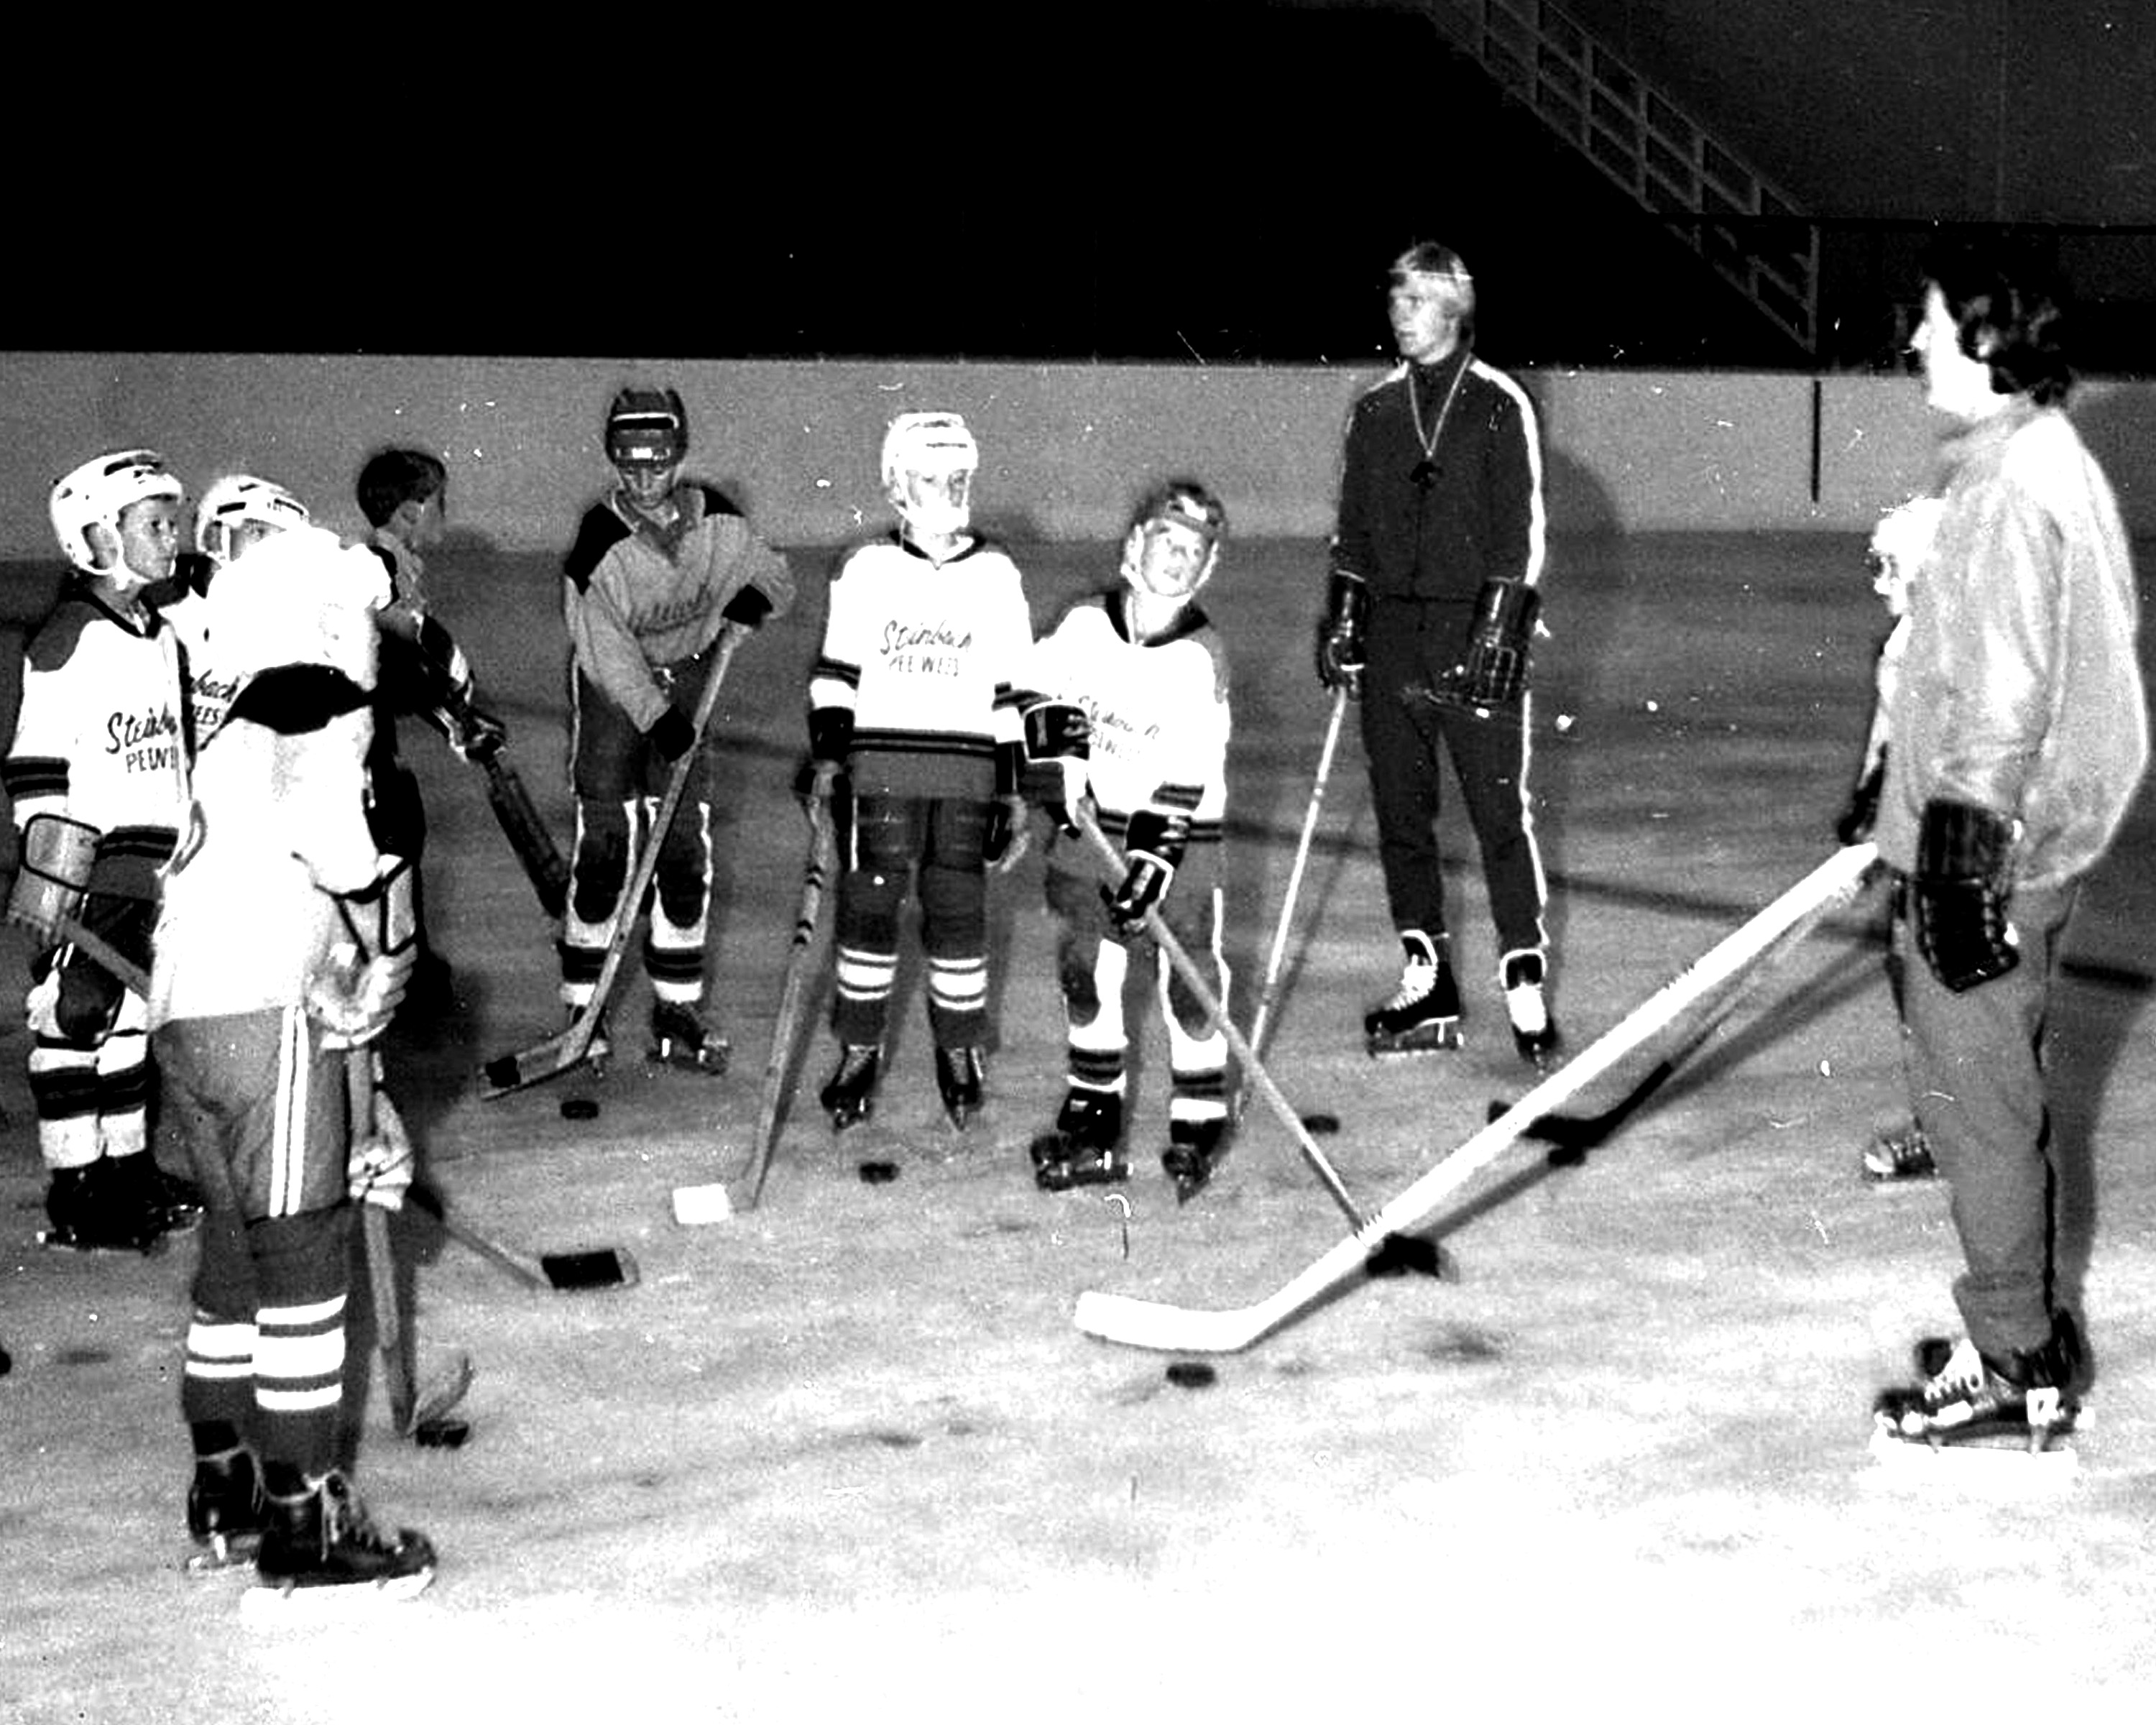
(1063, 446)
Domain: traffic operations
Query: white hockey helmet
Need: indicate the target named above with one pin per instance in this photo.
(647, 428)
(929, 460)
(239, 499)
(1167, 563)
(100, 491)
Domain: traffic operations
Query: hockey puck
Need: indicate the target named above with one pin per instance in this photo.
(441, 1433)
(1321, 1126)
(579, 1108)
(878, 1174)
(1192, 1374)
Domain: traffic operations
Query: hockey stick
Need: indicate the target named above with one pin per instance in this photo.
(1572, 1136)
(1194, 980)
(425, 1421)
(571, 1048)
(1269, 991)
(587, 1271)
(1152, 1324)
(518, 817)
(67, 931)
(793, 994)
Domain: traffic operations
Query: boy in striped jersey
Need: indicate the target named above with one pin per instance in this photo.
(253, 1032)
(914, 742)
(1133, 710)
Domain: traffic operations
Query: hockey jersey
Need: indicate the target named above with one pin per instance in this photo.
(248, 915)
(929, 660)
(635, 598)
(100, 737)
(1158, 711)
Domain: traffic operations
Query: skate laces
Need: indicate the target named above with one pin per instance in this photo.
(1418, 975)
(1963, 1377)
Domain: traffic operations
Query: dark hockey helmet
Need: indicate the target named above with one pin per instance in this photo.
(647, 428)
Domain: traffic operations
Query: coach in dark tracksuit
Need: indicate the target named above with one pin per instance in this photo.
(1433, 596)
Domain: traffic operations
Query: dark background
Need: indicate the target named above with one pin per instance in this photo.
(1175, 181)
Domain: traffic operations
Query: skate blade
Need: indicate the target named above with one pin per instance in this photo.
(220, 1557)
(1447, 1040)
(2004, 1465)
(148, 1246)
(286, 1602)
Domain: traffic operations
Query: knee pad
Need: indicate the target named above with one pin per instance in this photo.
(602, 859)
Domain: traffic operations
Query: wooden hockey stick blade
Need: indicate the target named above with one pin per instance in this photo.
(563, 1052)
(445, 1394)
(590, 1269)
(1175, 1329)
(792, 996)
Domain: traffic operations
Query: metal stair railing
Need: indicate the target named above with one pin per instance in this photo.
(1748, 231)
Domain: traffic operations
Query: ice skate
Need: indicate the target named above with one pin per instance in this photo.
(1424, 1014)
(1898, 1154)
(1086, 1147)
(680, 1037)
(92, 1210)
(323, 1541)
(1194, 1148)
(226, 1515)
(849, 1096)
(2027, 1395)
(1534, 1031)
(960, 1075)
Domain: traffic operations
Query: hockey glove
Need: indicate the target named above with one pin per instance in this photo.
(1153, 849)
(475, 734)
(1340, 633)
(672, 735)
(1059, 745)
(1959, 891)
(748, 608)
(1007, 838)
(1856, 820)
(379, 1169)
(1498, 641)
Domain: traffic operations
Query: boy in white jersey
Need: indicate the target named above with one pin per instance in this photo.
(278, 958)
(913, 737)
(1133, 709)
(97, 774)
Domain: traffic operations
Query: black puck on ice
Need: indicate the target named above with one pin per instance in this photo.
(579, 1108)
(444, 1433)
(1191, 1374)
(878, 1174)
(1321, 1126)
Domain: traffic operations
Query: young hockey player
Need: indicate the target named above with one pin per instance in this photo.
(1436, 576)
(659, 568)
(1133, 709)
(1899, 544)
(278, 958)
(914, 740)
(233, 513)
(98, 776)
(403, 494)
(2017, 737)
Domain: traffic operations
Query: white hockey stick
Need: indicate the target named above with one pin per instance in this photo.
(1269, 991)
(571, 1048)
(1178, 1329)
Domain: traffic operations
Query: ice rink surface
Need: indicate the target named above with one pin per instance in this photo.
(846, 1456)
